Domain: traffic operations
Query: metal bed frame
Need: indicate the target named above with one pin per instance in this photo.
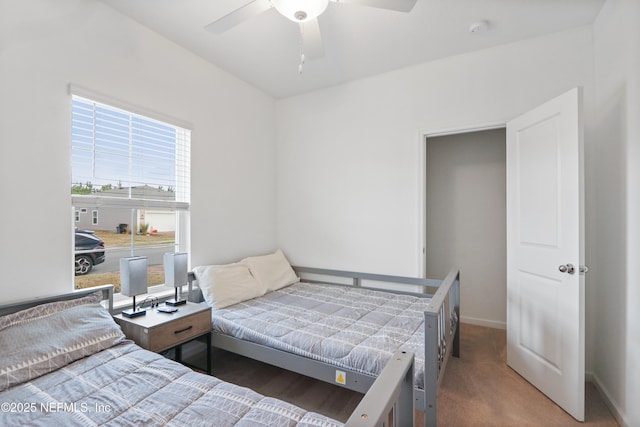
(107, 298)
(441, 339)
(388, 403)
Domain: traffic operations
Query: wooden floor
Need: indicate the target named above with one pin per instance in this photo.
(478, 389)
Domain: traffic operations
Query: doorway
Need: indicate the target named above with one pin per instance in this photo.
(465, 206)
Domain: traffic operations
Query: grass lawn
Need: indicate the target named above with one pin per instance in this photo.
(115, 240)
(156, 277)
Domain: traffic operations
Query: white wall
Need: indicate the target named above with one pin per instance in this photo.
(44, 46)
(349, 156)
(466, 212)
(617, 60)
(348, 174)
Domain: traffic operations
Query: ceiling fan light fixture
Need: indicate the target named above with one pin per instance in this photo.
(300, 10)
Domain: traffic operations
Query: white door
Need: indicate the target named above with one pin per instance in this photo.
(545, 250)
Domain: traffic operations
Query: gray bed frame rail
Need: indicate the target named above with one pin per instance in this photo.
(389, 401)
(442, 336)
(106, 290)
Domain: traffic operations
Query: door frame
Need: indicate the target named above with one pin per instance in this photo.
(422, 179)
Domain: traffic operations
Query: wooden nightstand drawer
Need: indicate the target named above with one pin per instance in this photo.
(177, 332)
(160, 331)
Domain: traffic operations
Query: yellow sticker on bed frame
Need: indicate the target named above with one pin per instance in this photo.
(341, 377)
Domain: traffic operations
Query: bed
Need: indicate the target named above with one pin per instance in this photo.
(64, 361)
(332, 325)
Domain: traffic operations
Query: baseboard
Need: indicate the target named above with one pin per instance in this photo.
(483, 322)
(618, 414)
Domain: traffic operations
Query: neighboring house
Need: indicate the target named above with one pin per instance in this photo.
(119, 220)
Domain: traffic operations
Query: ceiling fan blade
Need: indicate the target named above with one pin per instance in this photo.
(239, 15)
(311, 39)
(398, 5)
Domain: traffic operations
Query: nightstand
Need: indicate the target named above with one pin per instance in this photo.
(158, 332)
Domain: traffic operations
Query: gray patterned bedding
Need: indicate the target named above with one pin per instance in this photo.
(353, 328)
(128, 386)
(72, 366)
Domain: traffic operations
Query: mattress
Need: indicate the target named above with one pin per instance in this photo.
(353, 328)
(125, 385)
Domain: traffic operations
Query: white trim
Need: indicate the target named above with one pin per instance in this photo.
(422, 176)
(121, 202)
(124, 105)
(463, 129)
(422, 208)
(483, 322)
(617, 413)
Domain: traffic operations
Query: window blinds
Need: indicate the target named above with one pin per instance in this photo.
(124, 159)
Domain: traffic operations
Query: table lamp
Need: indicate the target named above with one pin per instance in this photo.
(133, 281)
(176, 275)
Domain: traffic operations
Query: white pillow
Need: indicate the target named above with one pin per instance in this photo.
(225, 285)
(272, 271)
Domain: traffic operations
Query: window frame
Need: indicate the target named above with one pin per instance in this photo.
(181, 206)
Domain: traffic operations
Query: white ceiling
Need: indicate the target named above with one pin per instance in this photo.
(358, 41)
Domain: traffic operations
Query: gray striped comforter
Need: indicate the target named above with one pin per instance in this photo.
(352, 328)
(128, 386)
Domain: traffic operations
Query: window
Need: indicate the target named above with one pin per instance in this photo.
(133, 173)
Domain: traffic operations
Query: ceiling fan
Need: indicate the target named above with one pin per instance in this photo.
(304, 12)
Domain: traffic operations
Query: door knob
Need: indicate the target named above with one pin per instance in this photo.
(569, 268)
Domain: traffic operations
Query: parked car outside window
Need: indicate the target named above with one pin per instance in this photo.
(89, 251)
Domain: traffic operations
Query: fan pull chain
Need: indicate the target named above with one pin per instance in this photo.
(302, 58)
(301, 63)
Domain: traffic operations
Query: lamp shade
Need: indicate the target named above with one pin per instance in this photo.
(175, 269)
(133, 276)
